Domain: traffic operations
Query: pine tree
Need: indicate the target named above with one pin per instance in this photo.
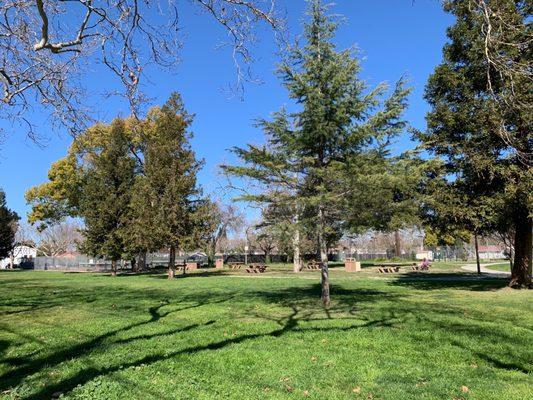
(106, 194)
(8, 220)
(486, 148)
(169, 181)
(311, 151)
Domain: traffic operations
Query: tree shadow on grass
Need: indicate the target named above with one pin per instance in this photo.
(303, 301)
(457, 281)
(289, 323)
(301, 312)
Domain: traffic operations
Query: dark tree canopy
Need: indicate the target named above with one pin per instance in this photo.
(484, 175)
(8, 227)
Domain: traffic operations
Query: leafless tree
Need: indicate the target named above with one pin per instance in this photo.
(58, 239)
(48, 47)
(222, 220)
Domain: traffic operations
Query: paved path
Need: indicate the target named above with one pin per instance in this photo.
(473, 268)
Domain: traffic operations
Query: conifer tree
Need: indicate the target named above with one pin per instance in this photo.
(106, 194)
(8, 220)
(338, 123)
(168, 197)
(480, 126)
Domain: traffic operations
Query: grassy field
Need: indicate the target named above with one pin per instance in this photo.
(500, 267)
(224, 335)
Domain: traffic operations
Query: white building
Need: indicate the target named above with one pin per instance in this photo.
(20, 253)
(491, 253)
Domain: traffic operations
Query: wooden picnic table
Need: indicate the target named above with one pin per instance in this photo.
(256, 268)
(416, 267)
(235, 265)
(314, 265)
(388, 270)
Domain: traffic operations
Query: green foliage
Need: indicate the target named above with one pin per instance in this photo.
(168, 197)
(483, 182)
(132, 182)
(8, 227)
(106, 194)
(317, 155)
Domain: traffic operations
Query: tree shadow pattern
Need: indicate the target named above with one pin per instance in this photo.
(300, 303)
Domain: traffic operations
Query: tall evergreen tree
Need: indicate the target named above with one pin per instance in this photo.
(169, 181)
(106, 194)
(486, 149)
(312, 150)
(8, 221)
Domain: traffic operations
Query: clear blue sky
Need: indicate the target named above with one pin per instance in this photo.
(395, 38)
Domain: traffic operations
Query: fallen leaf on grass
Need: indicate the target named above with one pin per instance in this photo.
(306, 393)
(464, 389)
(357, 389)
(289, 388)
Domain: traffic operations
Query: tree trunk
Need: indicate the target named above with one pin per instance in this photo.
(476, 245)
(114, 268)
(133, 263)
(172, 262)
(142, 261)
(323, 258)
(397, 244)
(521, 271)
(296, 247)
(267, 257)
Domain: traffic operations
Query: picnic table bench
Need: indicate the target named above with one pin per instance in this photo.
(235, 265)
(390, 268)
(179, 267)
(314, 265)
(256, 268)
(415, 267)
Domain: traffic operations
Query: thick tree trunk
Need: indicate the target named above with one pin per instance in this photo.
(323, 257)
(114, 268)
(296, 247)
(172, 262)
(521, 271)
(133, 263)
(267, 257)
(476, 245)
(397, 244)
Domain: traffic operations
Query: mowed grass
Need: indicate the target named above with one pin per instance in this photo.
(228, 335)
(505, 266)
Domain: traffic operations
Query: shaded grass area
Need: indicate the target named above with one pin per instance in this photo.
(226, 335)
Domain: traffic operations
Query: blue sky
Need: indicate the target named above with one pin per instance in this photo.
(395, 37)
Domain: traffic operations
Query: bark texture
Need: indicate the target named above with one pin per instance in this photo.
(323, 258)
(172, 263)
(521, 271)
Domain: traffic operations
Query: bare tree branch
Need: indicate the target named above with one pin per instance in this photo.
(48, 46)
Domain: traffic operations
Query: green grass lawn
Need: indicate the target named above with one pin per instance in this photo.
(500, 267)
(227, 335)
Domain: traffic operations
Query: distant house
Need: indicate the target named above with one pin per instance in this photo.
(20, 254)
(491, 253)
